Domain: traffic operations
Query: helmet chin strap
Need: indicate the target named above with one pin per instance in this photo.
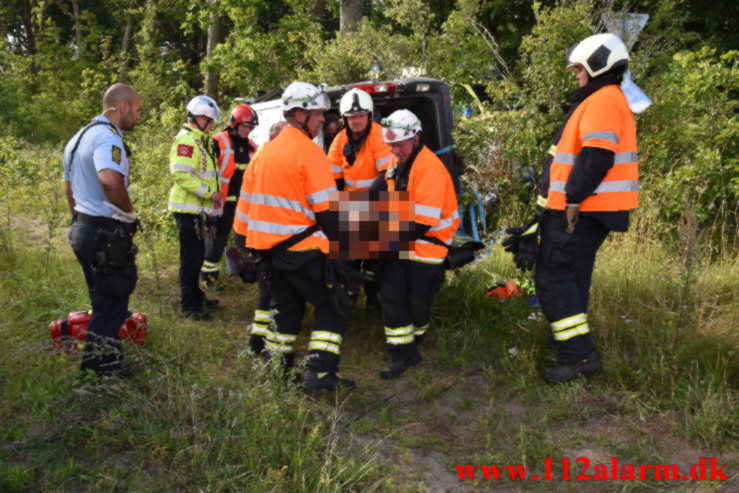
(195, 120)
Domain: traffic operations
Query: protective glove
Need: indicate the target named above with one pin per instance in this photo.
(121, 215)
(522, 242)
(572, 212)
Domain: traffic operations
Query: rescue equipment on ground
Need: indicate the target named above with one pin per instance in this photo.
(69, 335)
(503, 291)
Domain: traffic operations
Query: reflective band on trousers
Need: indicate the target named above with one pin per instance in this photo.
(323, 346)
(602, 135)
(209, 266)
(604, 187)
(569, 327)
(262, 315)
(281, 202)
(323, 335)
(260, 329)
(419, 331)
(400, 335)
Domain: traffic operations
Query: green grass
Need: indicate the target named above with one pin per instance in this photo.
(202, 415)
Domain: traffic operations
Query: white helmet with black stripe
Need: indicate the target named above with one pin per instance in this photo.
(356, 102)
(598, 54)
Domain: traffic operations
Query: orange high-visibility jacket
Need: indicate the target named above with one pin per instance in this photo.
(373, 157)
(435, 203)
(290, 184)
(603, 120)
(227, 164)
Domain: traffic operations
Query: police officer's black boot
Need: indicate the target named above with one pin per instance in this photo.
(565, 372)
(315, 380)
(398, 366)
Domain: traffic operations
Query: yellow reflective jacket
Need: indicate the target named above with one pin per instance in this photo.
(194, 172)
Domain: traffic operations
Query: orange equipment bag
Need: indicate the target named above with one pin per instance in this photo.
(503, 291)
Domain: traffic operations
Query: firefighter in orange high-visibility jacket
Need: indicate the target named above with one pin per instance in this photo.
(589, 185)
(408, 286)
(289, 196)
(358, 155)
(233, 151)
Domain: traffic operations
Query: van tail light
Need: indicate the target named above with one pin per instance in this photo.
(380, 88)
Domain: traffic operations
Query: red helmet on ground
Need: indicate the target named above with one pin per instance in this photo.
(244, 113)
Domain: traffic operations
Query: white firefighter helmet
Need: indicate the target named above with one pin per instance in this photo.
(356, 102)
(598, 54)
(203, 106)
(304, 96)
(400, 125)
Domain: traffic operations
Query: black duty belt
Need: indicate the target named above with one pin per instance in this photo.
(97, 221)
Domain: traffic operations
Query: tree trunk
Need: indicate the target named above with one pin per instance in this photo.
(126, 46)
(350, 13)
(77, 25)
(29, 35)
(215, 36)
(318, 9)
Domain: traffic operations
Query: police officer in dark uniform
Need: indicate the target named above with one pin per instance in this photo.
(96, 170)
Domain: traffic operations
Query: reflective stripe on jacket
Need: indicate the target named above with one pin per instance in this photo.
(194, 173)
(435, 204)
(291, 183)
(227, 162)
(373, 157)
(605, 121)
(241, 218)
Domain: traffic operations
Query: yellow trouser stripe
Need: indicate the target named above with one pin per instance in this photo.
(260, 329)
(262, 315)
(323, 346)
(400, 340)
(400, 331)
(419, 331)
(323, 335)
(569, 322)
(278, 348)
(569, 334)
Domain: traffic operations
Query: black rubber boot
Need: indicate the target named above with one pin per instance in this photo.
(256, 344)
(326, 381)
(399, 366)
(197, 314)
(566, 372)
(211, 304)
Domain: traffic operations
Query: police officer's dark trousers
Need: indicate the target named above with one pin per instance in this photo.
(224, 226)
(563, 275)
(293, 283)
(192, 253)
(110, 287)
(407, 290)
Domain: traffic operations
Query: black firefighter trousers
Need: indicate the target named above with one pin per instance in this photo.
(407, 290)
(291, 288)
(214, 250)
(109, 290)
(192, 253)
(564, 271)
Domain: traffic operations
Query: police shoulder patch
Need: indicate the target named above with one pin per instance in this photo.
(116, 155)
